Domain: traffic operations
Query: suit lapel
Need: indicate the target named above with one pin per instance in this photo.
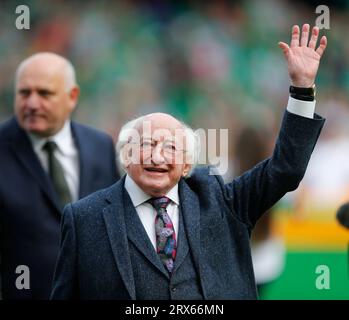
(122, 222)
(21, 147)
(116, 229)
(190, 208)
(138, 236)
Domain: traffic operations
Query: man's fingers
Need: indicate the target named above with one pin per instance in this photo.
(323, 43)
(305, 35)
(313, 39)
(295, 36)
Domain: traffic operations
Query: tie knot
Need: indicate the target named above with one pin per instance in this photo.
(50, 146)
(159, 202)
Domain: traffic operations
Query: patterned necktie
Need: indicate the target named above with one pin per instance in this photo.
(56, 173)
(166, 245)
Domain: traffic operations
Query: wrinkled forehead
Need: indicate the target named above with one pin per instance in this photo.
(160, 128)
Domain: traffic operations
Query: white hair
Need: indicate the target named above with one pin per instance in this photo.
(126, 133)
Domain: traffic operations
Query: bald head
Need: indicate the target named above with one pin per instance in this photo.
(46, 93)
(51, 63)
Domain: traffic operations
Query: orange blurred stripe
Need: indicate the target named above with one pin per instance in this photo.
(312, 234)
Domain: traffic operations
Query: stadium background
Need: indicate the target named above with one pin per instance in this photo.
(214, 65)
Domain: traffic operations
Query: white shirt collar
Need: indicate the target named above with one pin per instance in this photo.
(138, 196)
(63, 138)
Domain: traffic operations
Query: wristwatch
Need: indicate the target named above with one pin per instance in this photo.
(306, 94)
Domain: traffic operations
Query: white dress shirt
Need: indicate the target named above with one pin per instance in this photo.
(66, 153)
(146, 211)
(302, 108)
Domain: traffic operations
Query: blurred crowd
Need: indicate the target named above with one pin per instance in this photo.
(213, 64)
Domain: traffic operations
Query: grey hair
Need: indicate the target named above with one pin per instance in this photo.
(69, 70)
(125, 135)
(70, 76)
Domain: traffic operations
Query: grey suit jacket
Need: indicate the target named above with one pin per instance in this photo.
(94, 260)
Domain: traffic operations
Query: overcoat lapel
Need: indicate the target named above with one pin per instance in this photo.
(190, 208)
(116, 229)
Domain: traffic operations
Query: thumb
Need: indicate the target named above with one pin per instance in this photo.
(284, 47)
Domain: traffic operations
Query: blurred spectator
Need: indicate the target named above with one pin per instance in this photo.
(46, 162)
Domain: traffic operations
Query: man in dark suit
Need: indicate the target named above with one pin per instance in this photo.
(161, 234)
(47, 160)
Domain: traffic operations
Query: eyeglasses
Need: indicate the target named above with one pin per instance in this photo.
(169, 149)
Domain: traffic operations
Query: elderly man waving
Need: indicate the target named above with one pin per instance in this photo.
(161, 234)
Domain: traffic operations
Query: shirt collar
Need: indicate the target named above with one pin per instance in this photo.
(138, 196)
(63, 139)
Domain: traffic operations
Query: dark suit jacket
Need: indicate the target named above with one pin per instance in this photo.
(29, 210)
(94, 261)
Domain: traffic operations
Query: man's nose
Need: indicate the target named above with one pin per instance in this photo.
(157, 156)
(33, 101)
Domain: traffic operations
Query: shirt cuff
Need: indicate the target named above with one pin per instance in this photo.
(302, 108)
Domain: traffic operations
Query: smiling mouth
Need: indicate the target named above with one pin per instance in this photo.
(156, 170)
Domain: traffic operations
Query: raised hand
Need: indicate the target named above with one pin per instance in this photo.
(302, 56)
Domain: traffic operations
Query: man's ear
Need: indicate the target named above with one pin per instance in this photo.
(126, 155)
(74, 96)
(186, 170)
(126, 164)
